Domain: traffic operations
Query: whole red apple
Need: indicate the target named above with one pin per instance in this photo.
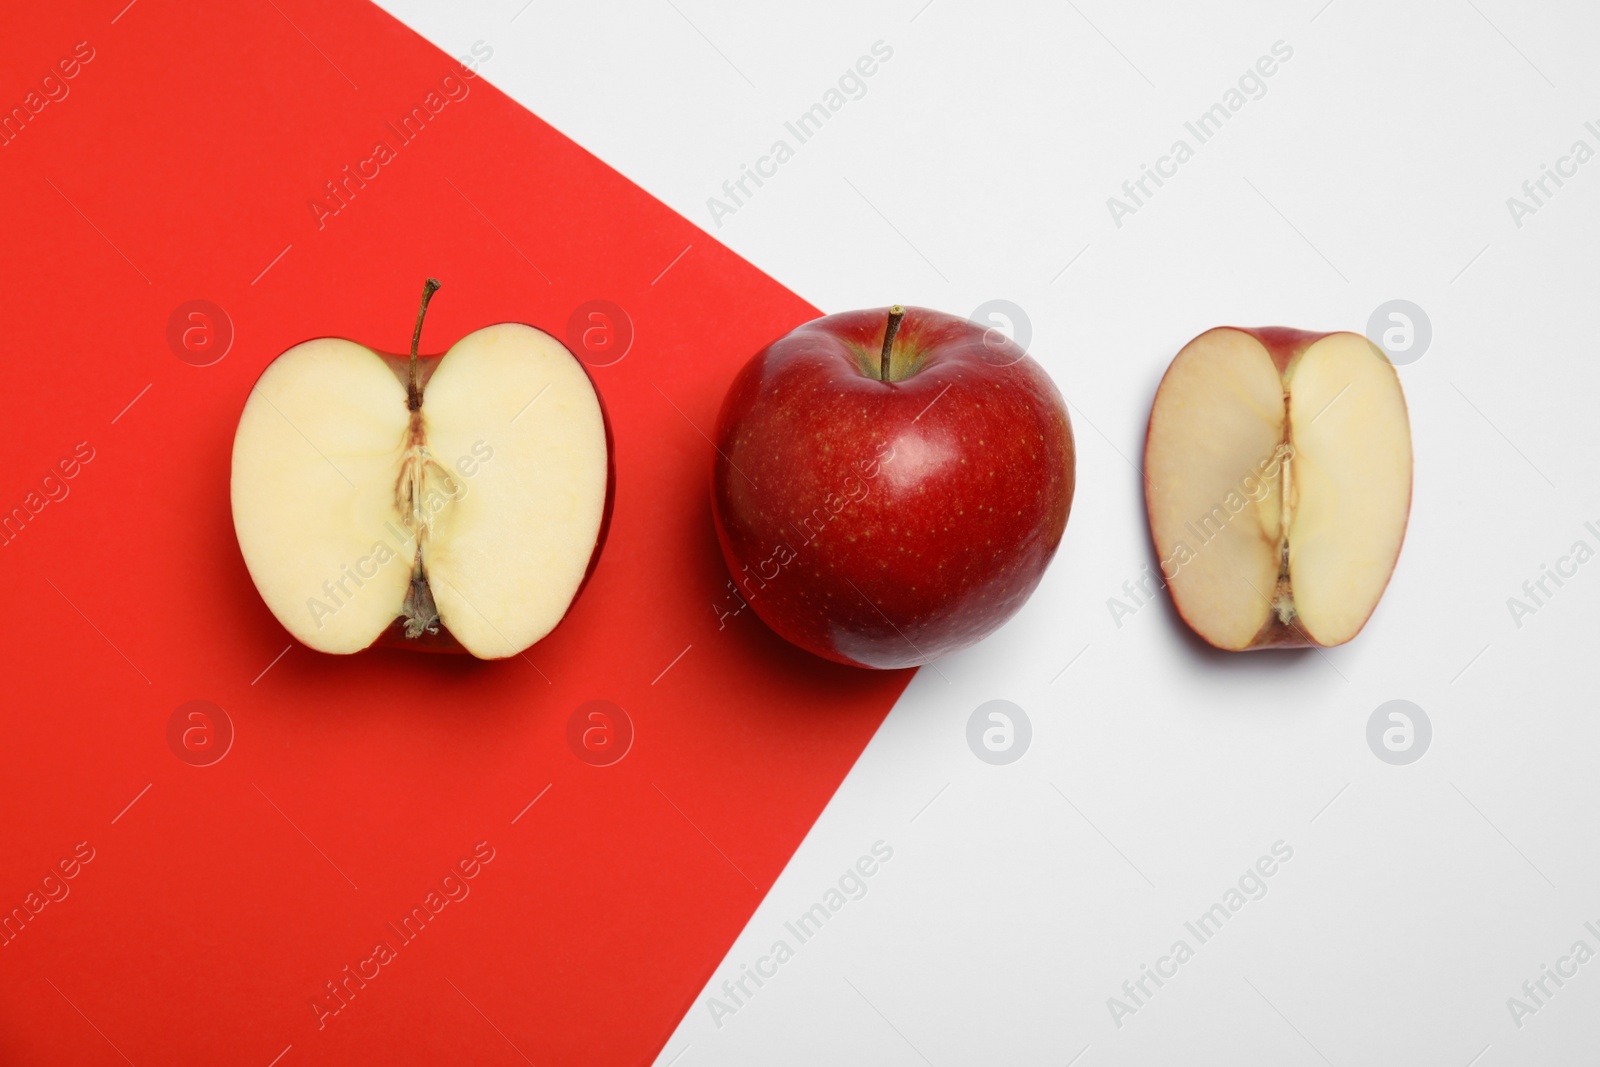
(890, 484)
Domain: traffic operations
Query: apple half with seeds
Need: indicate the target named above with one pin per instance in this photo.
(1278, 484)
(452, 503)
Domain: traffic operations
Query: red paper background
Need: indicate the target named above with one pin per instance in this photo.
(217, 905)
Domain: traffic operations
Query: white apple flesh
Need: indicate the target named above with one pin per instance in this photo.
(471, 521)
(1278, 484)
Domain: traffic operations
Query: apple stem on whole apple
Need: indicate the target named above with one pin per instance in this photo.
(893, 327)
(413, 390)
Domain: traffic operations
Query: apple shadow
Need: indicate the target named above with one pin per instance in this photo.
(1201, 653)
(345, 678)
(452, 676)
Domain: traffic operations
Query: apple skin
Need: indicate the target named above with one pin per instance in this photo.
(1284, 344)
(886, 524)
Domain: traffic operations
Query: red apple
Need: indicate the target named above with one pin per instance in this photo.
(890, 484)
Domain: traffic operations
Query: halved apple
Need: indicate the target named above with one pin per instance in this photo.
(452, 503)
(1278, 484)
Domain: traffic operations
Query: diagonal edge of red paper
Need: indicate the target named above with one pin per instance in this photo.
(235, 911)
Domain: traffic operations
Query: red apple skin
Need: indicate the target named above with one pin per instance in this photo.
(1284, 344)
(886, 524)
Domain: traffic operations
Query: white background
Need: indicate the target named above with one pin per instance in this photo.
(977, 166)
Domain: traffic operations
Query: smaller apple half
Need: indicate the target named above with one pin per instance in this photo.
(459, 506)
(1278, 484)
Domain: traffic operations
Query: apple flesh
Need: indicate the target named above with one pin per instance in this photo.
(1278, 484)
(456, 506)
(890, 484)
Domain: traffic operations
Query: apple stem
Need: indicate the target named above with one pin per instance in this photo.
(413, 390)
(893, 327)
